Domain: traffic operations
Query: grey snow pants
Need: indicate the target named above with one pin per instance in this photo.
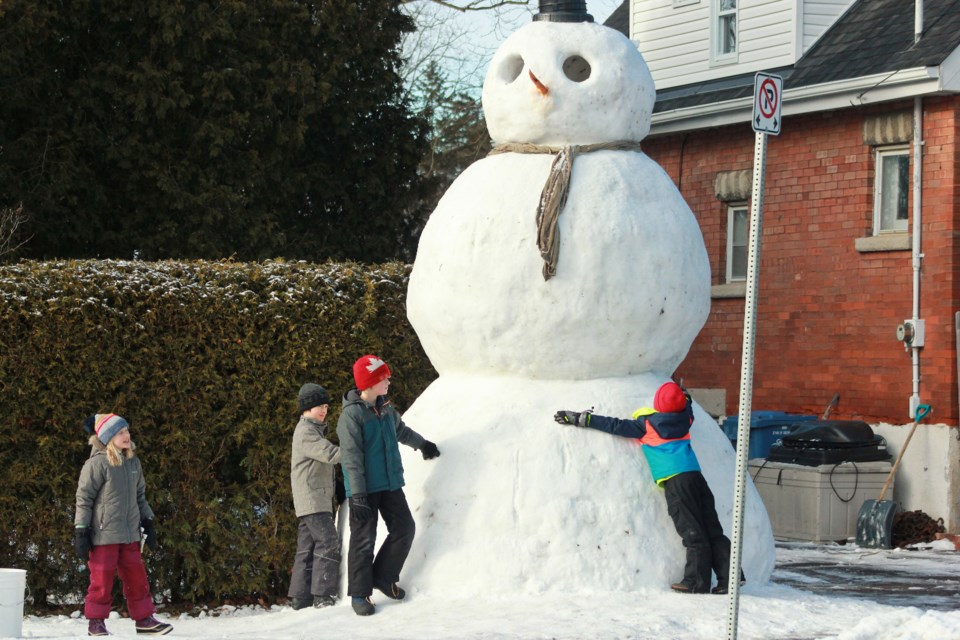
(316, 567)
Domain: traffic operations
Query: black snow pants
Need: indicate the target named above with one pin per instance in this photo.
(690, 505)
(316, 567)
(365, 571)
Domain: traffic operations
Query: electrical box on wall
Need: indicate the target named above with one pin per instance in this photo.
(911, 333)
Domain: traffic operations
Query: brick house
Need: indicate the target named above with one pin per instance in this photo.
(840, 265)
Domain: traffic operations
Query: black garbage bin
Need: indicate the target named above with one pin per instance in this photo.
(818, 442)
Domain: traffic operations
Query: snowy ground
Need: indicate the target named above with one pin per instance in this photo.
(817, 591)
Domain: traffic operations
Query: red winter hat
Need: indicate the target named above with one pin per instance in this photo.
(368, 371)
(670, 398)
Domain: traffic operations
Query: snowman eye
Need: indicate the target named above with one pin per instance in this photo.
(576, 68)
(510, 69)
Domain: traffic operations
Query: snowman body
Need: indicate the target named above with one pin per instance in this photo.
(632, 287)
(517, 503)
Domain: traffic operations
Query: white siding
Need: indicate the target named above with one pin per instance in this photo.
(817, 16)
(767, 35)
(675, 41)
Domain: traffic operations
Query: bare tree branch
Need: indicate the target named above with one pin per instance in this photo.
(474, 5)
(459, 46)
(11, 219)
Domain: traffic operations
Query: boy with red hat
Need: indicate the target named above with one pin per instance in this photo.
(370, 429)
(664, 435)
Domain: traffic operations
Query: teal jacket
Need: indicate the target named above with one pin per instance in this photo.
(369, 451)
(665, 439)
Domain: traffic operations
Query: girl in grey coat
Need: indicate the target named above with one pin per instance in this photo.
(313, 460)
(111, 508)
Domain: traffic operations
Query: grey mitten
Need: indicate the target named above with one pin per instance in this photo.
(575, 418)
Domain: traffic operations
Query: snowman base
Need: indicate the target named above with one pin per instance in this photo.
(518, 504)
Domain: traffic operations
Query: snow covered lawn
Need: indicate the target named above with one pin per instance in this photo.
(772, 611)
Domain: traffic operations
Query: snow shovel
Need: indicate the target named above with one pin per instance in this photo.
(875, 520)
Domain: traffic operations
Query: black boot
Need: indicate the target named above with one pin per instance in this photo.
(362, 606)
(391, 590)
(319, 602)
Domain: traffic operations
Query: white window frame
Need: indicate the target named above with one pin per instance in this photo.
(882, 188)
(732, 242)
(718, 19)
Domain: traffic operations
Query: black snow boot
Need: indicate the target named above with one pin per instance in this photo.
(319, 602)
(362, 606)
(391, 590)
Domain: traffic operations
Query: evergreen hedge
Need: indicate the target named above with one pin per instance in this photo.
(204, 359)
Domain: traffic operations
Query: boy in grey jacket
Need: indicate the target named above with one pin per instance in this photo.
(313, 462)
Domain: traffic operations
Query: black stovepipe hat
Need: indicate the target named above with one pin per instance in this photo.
(563, 11)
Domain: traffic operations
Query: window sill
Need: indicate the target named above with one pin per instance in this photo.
(885, 242)
(729, 290)
(724, 61)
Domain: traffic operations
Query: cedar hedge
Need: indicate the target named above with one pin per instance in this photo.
(204, 359)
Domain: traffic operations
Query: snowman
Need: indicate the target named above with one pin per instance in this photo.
(564, 270)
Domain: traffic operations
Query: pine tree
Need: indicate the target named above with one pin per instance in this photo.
(458, 133)
(166, 129)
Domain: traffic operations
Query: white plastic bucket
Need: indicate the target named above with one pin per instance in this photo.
(13, 584)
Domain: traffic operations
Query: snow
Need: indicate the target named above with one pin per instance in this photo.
(598, 87)
(518, 505)
(767, 612)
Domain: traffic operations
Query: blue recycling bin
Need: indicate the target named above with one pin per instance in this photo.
(766, 427)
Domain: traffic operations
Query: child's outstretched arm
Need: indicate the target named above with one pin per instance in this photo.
(614, 426)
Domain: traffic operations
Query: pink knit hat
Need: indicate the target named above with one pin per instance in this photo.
(368, 371)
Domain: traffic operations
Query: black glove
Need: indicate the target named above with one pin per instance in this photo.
(577, 419)
(150, 534)
(360, 510)
(83, 542)
(340, 490)
(429, 450)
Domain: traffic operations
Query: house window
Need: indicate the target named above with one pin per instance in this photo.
(738, 228)
(724, 31)
(890, 191)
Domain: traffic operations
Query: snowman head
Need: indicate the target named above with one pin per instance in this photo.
(558, 83)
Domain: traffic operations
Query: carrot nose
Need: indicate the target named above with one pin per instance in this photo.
(542, 88)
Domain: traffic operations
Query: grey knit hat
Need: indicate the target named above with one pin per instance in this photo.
(310, 396)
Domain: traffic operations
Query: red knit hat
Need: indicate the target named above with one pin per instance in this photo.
(670, 398)
(368, 371)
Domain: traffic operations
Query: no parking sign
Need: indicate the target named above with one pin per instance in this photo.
(767, 91)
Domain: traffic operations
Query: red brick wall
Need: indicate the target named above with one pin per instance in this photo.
(827, 314)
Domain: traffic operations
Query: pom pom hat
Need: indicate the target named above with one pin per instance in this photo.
(368, 371)
(310, 396)
(670, 398)
(107, 425)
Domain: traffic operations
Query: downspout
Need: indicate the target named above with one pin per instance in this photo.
(917, 255)
(917, 20)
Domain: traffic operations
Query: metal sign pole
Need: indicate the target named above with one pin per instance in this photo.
(746, 380)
